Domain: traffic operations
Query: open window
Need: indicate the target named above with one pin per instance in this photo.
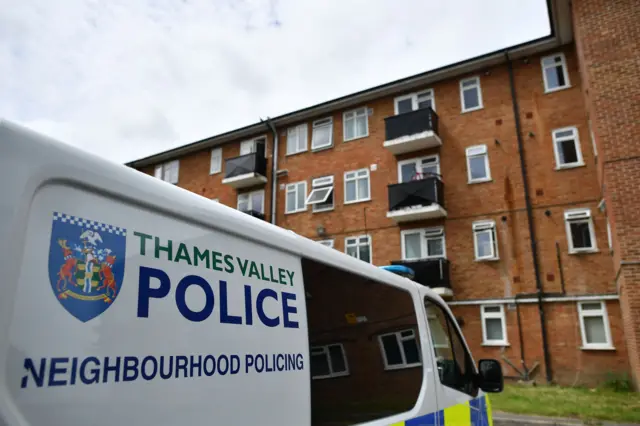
(321, 195)
(580, 232)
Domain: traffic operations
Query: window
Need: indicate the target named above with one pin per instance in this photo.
(609, 236)
(216, 161)
(321, 195)
(455, 366)
(418, 168)
(470, 94)
(328, 361)
(322, 136)
(554, 73)
(566, 146)
(356, 124)
(297, 139)
(478, 164)
(400, 349)
(168, 172)
(296, 194)
(415, 101)
(594, 325)
(359, 247)
(356, 186)
(580, 233)
(485, 241)
(328, 243)
(254, 145)
(251, 201)
(494, 329)
(425, 243)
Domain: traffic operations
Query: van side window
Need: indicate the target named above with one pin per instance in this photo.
(455, 367)
(364, 341)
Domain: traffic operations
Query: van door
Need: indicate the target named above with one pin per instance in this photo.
(460, 400)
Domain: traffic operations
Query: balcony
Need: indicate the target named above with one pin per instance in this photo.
(245, 171)
(412, 131)
(432, 273)
(416, 200)
(255, 213)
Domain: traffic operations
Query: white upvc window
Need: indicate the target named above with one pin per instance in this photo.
(415, 101)
(494, 325)
(251, 145)
(478, 169)
(328, 243)
(470, 94)
(357, 186)
(216, 161)
(418, 168)
(427, 243)
(359, 247)
(297, 139)
(322, 135)
(328, 361)
(580, 233)
(594, 325)
(251, 201)
(400, 350)
(555, 73)
(566, 147)
(321, 195)
(356, 124)
(296, 193)
(168, 171)
(485, 241)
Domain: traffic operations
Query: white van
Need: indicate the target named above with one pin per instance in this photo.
(129, 301)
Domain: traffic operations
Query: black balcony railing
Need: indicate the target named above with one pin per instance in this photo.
(421, 192)
(433, 273)
(249, 163)
(254, 213)
(410, 123)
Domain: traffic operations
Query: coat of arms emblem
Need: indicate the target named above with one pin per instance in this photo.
(86, 264)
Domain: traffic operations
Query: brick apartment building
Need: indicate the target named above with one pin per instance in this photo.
(508, 182)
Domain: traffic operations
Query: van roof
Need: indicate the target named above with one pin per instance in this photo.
(57, 161)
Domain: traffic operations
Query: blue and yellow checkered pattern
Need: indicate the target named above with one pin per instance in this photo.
(476, 412)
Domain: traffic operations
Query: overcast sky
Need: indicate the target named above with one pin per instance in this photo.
(129, 78)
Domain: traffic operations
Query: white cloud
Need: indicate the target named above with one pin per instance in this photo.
(126, 79)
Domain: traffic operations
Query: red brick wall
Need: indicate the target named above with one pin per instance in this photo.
(607, 34)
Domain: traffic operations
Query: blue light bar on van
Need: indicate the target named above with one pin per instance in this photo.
(400, 270)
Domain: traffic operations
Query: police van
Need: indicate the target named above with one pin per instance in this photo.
(129, 301)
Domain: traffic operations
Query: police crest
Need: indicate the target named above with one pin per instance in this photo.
(86, 264)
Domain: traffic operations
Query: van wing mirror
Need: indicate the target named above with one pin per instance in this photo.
(490, 378)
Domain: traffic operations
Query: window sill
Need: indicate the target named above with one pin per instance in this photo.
(323, 210)
(402, 367)
(495, 344)
(598, 348)
(322, 148)
(295, 153)
(357, 201)
(557, 89)
(488, 259)
(464, 111)
(333, 376)
(296, 211)
(485, 180)
(215, 173)
(356, 138)
(589, 251)
(570, 166)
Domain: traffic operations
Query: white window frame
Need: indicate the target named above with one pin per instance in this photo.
(301, 130)
(160, 171)
(215, 165)
(327, 243)
(482, 227)
(565, 72)
(321, 184)
(399, 340)
(414, 99)
(324, 349)
(580, 215)
(476, 85)
(354, 241)
(602, 312)
(294, 186)
(426, 234)
(356, 113)
(576, 140)
(253, 145)
(478, 151)
(484, 315)
(248, 196)
(327, 121)
(418, 164)
(356, 178)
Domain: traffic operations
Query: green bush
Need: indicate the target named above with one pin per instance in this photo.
(618, 383)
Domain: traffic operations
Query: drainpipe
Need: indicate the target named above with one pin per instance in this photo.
(274, 170)
(532, 234)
